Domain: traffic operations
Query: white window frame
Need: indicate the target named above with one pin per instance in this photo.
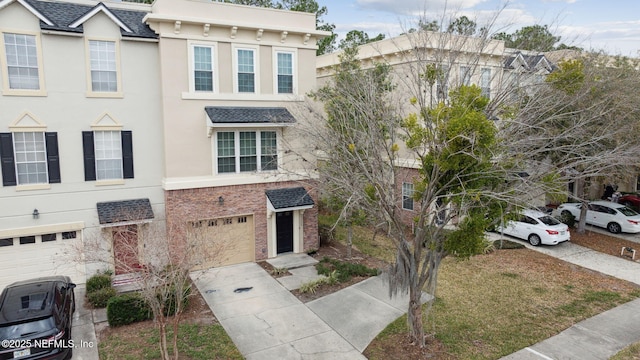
(6, 87)
(485, 82)
(214, 66)
(256, 70)
(236, 146)
(408, 190)
(116, 147)
(294, 75)
(465, 75)
(109, 94)
(34, 151)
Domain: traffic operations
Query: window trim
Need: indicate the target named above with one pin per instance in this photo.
(6, 89)
(237, 156)
(486, 93)
(8, 160)
(256, 69)
(214, 66)
(294, 70)
(103, 94)
(406, 196)
(90, 170)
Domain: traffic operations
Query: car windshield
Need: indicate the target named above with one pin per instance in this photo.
(549, 220)
(626, 211)
(22, 330)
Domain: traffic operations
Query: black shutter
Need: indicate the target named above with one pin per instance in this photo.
(6, 158)
(53, 160)
(127, 154)
(89, 156)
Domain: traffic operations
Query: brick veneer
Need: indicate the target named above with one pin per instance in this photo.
(186, 205)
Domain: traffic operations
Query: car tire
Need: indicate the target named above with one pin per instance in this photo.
(534, 240)
(614, 227)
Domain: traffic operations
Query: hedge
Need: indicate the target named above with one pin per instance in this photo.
(126, 309)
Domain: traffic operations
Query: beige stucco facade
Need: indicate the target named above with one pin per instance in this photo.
(66, 105)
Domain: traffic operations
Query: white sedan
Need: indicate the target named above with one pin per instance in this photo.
(537, 227)
(613, 216)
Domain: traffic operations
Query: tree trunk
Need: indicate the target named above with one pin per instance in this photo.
(582, 219)
(176, 328)
(349, 240)
(414, 317)
(163, 340)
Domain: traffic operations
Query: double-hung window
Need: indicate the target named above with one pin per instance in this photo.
(29, 158)
(103, 66)
(407, 196)
(246, 151)
(108, 155)
(284, 71)
(465, 75)
(203, 68)
(485, 82)
(22, 61)
(246, 70)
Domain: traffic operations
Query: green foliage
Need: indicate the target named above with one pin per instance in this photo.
(126, 309)
(98, 281)
(555, 187)
(355, 38)
(567, 218)
(462, 26)
(313, 285)
(535, 37)
(170, 305)
(344, 271)
(100, 297)
(569, 77)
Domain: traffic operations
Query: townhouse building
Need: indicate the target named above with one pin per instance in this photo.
(80, 135)
(118, 117)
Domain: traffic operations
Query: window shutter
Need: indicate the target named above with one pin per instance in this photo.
(53, 159)
(6, 158)
(89, 156)
(127, 154)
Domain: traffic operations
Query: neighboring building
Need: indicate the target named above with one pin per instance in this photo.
(231, 77)
(458, 60)
(80, 135)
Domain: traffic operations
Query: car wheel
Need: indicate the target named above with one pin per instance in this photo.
(534, 240)
(614, 228)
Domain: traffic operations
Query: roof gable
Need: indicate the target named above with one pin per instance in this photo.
(95, 10)
(34, 11)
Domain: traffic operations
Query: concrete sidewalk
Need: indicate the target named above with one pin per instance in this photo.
(596, 338)
(266, 321)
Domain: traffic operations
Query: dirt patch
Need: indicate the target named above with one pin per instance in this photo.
(605, 244)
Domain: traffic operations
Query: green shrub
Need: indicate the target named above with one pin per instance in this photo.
(343, 270)
(98, 281)
(313, 285)
(99, 298)
(170, 302)
(567, 218)
(126, 309)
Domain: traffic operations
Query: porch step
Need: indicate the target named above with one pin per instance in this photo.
(124, 283)
(292, 261)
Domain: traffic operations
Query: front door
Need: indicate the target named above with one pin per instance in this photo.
(125, 249)
(284, 231)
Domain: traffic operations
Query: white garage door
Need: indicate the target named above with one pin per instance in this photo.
(222, 241)
(33, 256)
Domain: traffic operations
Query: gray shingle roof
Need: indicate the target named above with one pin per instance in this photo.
(125, 210)
(289, 197)
(248, 115)
(63, 14)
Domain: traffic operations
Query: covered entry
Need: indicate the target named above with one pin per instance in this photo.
(285, 209)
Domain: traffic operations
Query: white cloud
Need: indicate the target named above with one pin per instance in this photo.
(409, 7)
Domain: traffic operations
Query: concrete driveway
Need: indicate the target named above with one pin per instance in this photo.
(83, 331)
(266, 321)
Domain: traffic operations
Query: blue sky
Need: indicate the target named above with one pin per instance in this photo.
(609, 25)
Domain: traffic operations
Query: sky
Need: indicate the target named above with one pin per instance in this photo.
(609, 25)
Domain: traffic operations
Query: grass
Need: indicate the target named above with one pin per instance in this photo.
(493, 305)
(632, 352)
(196, 342)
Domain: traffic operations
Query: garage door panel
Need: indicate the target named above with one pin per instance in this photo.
(26, 261)
(223, 241)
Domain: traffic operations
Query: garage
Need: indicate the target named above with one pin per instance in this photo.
(25, 255)
(222, 241)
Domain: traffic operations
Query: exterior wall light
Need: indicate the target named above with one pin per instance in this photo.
(35, 214)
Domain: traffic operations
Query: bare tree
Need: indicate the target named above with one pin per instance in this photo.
(160, 267)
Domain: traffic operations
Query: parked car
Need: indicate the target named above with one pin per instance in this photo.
(630, 200)
(614, 217)
(36, 317)
(537, 227)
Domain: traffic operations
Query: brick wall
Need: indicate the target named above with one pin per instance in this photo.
(406, 175)
(183, 206)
